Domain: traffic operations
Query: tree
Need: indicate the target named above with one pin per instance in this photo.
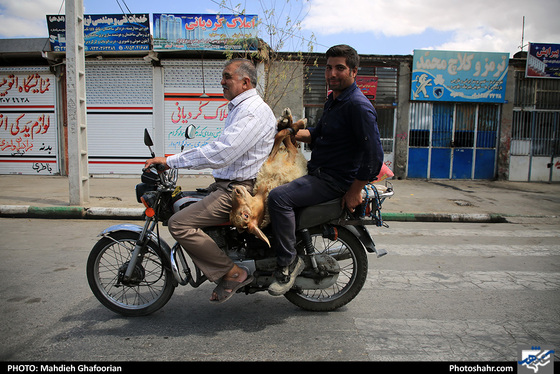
(280, 29)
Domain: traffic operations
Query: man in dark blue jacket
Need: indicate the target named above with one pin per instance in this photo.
(346, 155)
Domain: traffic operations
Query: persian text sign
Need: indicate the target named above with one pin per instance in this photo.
(104, 32)
(208, 115)
(543, 61)
(205, 32)
(28, 142)
(368, 85)
(459, 76)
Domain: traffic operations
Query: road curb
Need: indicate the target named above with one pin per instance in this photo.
(445, 217)
(74, 212)
(69, 212)
(115, 213)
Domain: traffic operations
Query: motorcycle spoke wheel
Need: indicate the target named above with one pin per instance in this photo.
(150, 286)
(352, 260)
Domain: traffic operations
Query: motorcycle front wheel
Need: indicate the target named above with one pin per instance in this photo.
(352, 260)
(150, 286)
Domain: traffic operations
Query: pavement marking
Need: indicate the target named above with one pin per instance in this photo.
(387, 339)
(477, 250)
(425, 280)
(466, 232)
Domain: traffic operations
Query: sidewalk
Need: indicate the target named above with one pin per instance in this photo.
(414, 200)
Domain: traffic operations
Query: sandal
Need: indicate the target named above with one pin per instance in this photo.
(224, 285)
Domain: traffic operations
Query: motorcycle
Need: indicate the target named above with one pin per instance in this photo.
(132, 271)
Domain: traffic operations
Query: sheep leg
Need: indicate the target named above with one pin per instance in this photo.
(278, 140)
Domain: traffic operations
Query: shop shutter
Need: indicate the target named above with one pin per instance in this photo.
(119, 97)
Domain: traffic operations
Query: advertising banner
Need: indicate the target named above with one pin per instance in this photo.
(28, 130)
(191, 99)
(543, 61)
(104, 32)
(205, 32)
(368, 85)
(459, 76)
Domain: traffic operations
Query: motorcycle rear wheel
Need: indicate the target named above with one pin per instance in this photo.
(151, 286)
(353, 262)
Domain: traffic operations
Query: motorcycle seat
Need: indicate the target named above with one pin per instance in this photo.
(318, 214)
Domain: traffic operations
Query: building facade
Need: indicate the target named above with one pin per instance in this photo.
(517, 139)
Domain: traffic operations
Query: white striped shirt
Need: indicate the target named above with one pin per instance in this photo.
(243, 145)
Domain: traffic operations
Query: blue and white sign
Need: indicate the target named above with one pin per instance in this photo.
(459, 76)
(104, 32)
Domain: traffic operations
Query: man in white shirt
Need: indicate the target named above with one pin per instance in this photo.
(235, 157)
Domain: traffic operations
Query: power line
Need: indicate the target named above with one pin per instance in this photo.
(126, 6)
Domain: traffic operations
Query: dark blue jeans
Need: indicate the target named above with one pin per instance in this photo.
(284, 200)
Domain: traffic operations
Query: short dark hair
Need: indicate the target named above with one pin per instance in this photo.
(245, 69)
(343, 50)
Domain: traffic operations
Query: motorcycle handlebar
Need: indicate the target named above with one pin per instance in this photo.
(158, 167)
(168, 177)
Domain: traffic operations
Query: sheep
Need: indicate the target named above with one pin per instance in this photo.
(284, 164)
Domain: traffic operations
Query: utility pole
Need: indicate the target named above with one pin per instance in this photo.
(78, 177)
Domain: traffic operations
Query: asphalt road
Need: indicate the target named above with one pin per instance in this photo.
(445, 292)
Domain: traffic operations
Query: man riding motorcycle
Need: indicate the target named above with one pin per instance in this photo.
(346, 156)
(235, 157)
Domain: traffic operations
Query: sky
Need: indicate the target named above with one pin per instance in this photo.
(380, 27)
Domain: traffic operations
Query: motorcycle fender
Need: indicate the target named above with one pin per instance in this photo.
(138, 229)
(364, 236)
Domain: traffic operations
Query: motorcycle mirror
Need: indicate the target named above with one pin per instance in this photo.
(190, 131)
(147, 138)
(148, 141)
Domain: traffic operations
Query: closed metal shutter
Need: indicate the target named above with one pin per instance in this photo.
(119, 100)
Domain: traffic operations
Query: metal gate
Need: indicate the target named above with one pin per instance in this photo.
(453, 140)
(535, 146)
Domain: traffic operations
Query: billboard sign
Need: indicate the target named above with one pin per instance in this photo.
(543, 61)
(205, 32)
(104, 32)
(459, 76)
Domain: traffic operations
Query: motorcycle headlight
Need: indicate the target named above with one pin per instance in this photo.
(149, 200)
(143, 188)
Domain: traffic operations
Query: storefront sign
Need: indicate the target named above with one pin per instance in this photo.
(28, 130)
(543, 61)
(368, 85)
(205, 32)
(459, 76)
(105, 32)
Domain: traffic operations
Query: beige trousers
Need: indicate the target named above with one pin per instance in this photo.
(186, 228)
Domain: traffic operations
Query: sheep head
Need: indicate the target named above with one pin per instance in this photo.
(247, 211)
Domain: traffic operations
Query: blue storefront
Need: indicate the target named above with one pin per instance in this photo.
(455, 113)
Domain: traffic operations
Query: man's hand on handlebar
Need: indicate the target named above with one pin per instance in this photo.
(159, 163)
